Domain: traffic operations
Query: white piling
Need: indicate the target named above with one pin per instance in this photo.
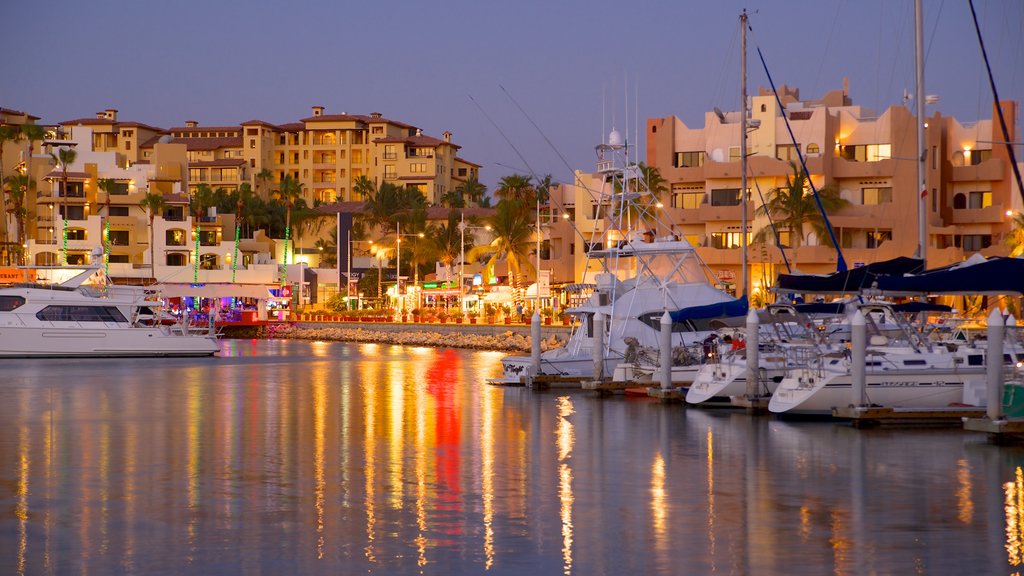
(753, 326)
(994, 365)
(535, 343)
(665, 346)
(598, 346)
(858, 358)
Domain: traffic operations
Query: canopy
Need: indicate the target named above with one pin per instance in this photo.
(695, 317)
(973, 277)
(850, 281)
(225, 290)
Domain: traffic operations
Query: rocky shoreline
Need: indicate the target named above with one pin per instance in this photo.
(507, 341)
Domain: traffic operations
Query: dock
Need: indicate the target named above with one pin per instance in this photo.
(555, 381)
(864, 416)
(753, 405)
(999, 431)
(670, 395)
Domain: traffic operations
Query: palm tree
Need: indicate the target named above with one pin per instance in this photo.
(32, 133)
(1015, 239)
(328, 248)
(653, 180)
(512, 230)
(20, 184)
(243, 196)
(518, 188)
(364, 188)
(108, 185)
(288, 191)
(262, 178)
(7, 134)
(791, 206)
(472, 190)
(154, 204)
(444, 242)
(64, 157)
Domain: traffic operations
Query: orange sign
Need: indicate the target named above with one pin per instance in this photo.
(13, 275)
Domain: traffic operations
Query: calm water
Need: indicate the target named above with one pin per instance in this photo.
(302, 457)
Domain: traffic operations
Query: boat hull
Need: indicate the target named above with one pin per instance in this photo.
(817, 392)
(101, 342)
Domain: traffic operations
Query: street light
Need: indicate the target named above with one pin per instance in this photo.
(398, 261)
(462, 258)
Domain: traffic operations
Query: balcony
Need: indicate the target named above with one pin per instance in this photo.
(843, 168)
(390, 156)
(988, 215)
(990, 170)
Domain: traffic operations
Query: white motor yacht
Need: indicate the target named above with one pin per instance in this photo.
(75, 320)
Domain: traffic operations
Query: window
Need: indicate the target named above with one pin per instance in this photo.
(979, 156)
(176, 259)
(687, 200)
(8, 303)
(390, 172)
(689, 159)
(377, 130)
(208, 262)
(127, 144)
(734, 153)
(175, 237)
(725, 197)
(877, 237)
(118, 237)
(418, 167)
(75, 189)
(875, 196)
(80, 314)
(975, 242)
(389, 152)
(727, 240)
(252, 132)
(208, 238)
(786, 152)
(74, 212)
(813, 148)
(979, 199)
(959, 201)
(118, 211)
(866, 152)
(119, 189)
(588, 246)
(118, 258)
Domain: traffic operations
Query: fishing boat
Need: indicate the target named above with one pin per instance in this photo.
(638, 275)
(72, 319)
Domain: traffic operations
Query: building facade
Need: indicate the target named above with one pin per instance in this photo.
(870, 159)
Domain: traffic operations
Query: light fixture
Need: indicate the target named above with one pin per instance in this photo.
(565, 215)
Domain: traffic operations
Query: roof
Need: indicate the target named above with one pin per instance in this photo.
(218, 162)
(342, 207)
(464, 161)
(71, 175)
(340, 118)
(205, 128)
(441, 212)
(209, 143)
(92, 121)
(17, 113)
(176, 198)
(259, 123)
(292, 127)
(417, 141)
(140, 125)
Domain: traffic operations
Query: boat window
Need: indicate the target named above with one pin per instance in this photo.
(914, 362)
(80, 314)
(975, 360)
(8, 303)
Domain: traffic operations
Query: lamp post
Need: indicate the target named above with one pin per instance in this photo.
(462, 259)
(398, 262)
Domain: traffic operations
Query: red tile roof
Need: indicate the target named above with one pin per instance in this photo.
(57, 175)
(417, 141)
(140, 125)
(259, 123)
(88, 122)
(198, 144)
(206, 129)
(176, 198)
(17, 113)
(342, 208)
(338, 118)
(292, 127)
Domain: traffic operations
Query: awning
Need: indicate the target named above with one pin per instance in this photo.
(214, 290)
(850, 281)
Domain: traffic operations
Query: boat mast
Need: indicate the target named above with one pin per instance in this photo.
(922, 196)
(743, 149)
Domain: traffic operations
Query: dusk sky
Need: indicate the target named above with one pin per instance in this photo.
(571, 65)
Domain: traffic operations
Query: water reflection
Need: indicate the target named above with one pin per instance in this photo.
(323, 457)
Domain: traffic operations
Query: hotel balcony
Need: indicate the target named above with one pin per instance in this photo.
(843, 168)
(994, 214)
(990, 170)
(709, 213)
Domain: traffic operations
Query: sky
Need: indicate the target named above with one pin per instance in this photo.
(528, 86)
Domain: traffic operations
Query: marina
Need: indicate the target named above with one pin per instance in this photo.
(311, 457)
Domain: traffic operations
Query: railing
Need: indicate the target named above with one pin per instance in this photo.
(390, 156)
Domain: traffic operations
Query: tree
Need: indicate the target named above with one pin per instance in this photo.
(472, 190)
(64, 157)
(32, 133)
(518, 188)
(363, 187)
(289, 191)
(1015, 239)
(154, 204)
(328, 248)
(7, 134)
(263, 177)
(513, 238)
(107, 185)
(792, 205)
(444, 242)
(20, 184)
(653, 180)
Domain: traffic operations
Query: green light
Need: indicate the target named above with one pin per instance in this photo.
(106, 252)
(195, 265)
(234, 261)
(284, 267)
(64, 233)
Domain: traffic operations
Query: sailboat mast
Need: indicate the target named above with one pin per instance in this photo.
(743, 151)
(922, 196)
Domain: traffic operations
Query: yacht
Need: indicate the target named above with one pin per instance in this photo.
(635, 276)
(71, 319)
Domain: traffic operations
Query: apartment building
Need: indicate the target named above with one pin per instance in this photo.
(327, 153)
(869, 158)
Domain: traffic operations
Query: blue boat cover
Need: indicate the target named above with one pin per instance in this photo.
(727, 309)
(999, 275)
(850, 281)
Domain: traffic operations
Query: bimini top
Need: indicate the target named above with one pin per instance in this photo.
(999, 275)
(850, 281)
